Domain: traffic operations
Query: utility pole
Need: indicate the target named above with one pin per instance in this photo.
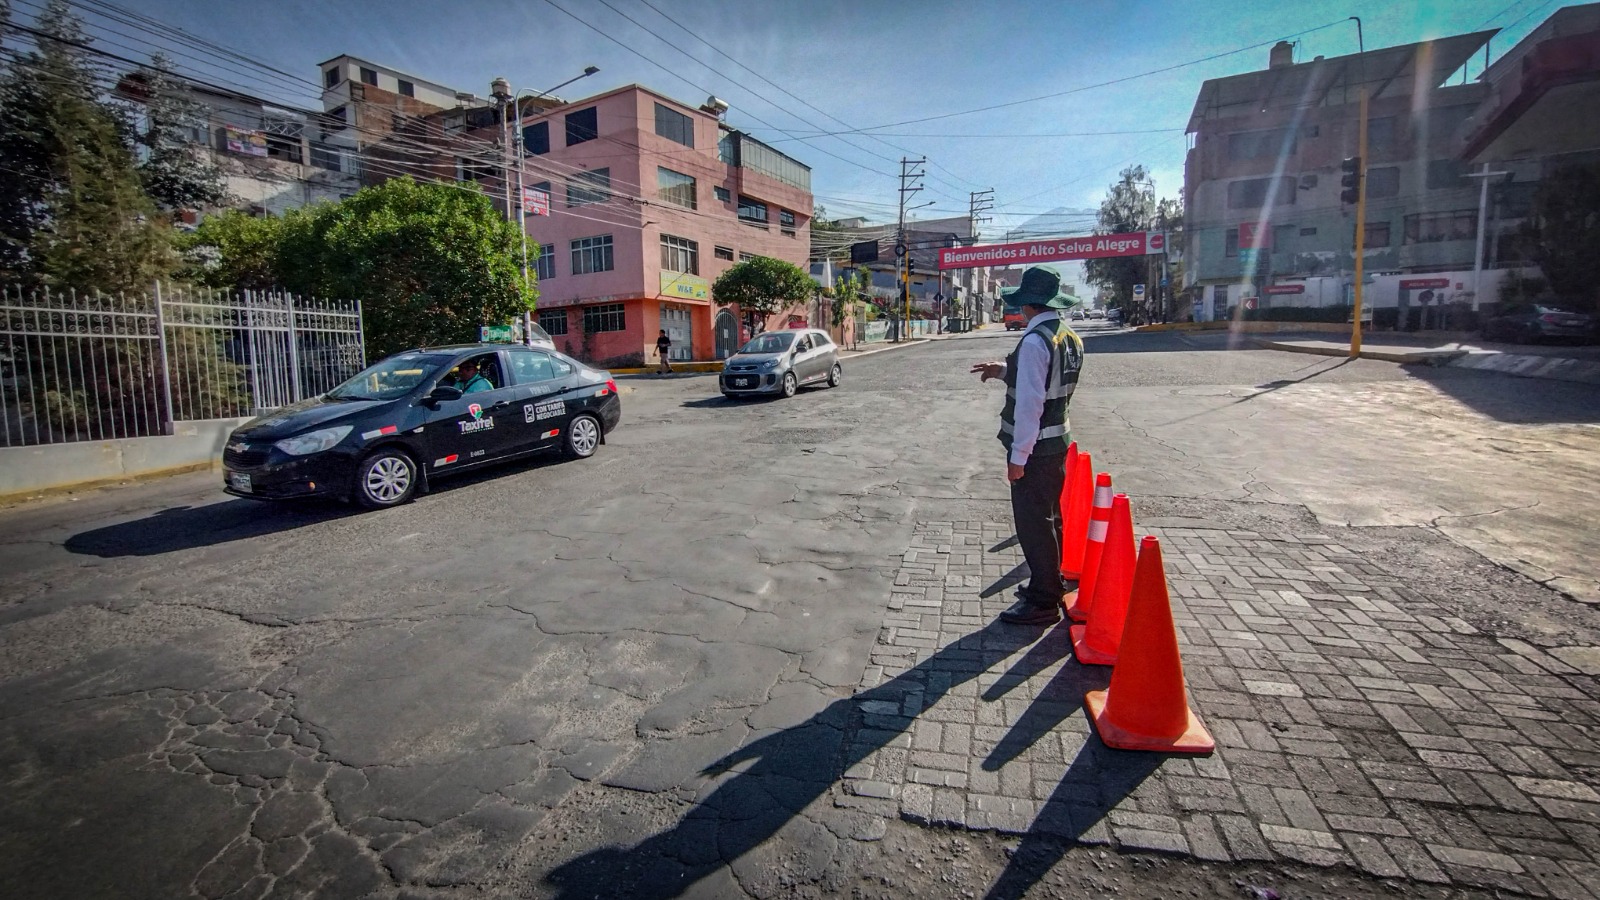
(978, 202)
(1361, 223)
(910, 184)
(1483, 214)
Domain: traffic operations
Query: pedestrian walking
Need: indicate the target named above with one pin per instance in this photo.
(663, 353)
(1040, 376)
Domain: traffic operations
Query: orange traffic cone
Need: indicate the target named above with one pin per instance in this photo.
(1146, 707)
(1075, 517)
(1096, 643)
(1099, 520)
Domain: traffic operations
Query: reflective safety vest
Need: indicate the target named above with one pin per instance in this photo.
(1066, 358)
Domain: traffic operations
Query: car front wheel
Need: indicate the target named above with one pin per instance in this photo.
(790, 384)
(835, 375)
(583, 437)
(386, 478)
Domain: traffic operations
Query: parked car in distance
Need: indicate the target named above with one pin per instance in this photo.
(385, 434)
(781, 362)
(1524, 323)
(1097, 313)
(1078, 313)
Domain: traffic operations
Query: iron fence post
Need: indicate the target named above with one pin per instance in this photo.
(294, 351)
(161, 354)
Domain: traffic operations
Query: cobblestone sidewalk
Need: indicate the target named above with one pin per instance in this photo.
(1356, 724)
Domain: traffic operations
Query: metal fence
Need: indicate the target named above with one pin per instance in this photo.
(85, 367)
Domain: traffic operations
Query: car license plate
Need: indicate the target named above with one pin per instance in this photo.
(239, 481)
(743, 382)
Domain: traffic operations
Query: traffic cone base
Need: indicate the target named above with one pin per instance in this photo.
(1075, 610)
(1086, 654)
(1195, 737)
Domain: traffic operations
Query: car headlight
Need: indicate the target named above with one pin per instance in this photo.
(769, 365)
(313, 442)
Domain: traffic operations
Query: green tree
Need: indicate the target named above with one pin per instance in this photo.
(76, 214)
(1563, 234)
(762, 286)
(236, 251)
(430, 263)
(177, 173)
(1130, 206)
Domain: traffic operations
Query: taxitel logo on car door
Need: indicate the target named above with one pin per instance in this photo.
(478, 423)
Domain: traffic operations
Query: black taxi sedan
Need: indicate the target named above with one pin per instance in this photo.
(382, 436)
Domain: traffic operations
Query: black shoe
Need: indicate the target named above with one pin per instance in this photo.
(1024, 612)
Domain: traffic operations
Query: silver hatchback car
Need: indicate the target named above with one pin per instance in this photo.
(781, 362)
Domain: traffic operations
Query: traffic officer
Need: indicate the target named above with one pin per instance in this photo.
(1040, 376)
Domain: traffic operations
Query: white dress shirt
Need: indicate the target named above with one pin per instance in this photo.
(1033, 373)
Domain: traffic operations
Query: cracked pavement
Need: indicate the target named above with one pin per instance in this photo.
(647, 669)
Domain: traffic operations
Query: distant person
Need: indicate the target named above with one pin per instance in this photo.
(663, 353)
(1040, 376)
(469, 380)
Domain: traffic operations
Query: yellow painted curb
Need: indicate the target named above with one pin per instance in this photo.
(1407, 357)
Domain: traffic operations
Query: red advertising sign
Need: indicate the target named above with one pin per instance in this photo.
(535, 202)
(1026, 253)
(1286, 289)
(1411, 284)
(1253, 237)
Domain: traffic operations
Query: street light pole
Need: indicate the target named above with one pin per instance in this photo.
(520, 155)
(1483, 210)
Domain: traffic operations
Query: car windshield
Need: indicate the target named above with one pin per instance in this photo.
(768, 343)
(390, 379)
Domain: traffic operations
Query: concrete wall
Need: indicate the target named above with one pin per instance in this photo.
(193, 445)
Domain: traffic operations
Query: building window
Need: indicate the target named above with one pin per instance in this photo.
(545, 265)
(786, 222)
(675, 187)
(680, 254)
(1308, 232)
(728, 149)
(326, 157)
(1377, 236)
(1381, 136)
(1431, 228)
(368, 76)
(1243, 145)
(473, 170)
(721, 252)
(536, 138)
(554, 322)
(752, 212)
(591, 255)
(407, 89)
(593, 186)
(1230, 243)
(722, 194)
(743, 257)
(331, 77)
(1446, 174)
(1384, 182)
(604, 318)
(674, 125)
(1253, 193)
(583, 125)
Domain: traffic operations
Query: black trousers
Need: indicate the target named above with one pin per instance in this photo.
(1036, 509)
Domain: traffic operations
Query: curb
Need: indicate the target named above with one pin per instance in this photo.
(1408, 357)
(16, 498)
(1522, 365)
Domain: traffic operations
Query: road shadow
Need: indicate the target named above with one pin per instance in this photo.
(788, 771)
(1097, 781)
(1058, 700)
(189, 527)
(1317, 369)
(710, 403)
(1016, 576)
(1514, 400)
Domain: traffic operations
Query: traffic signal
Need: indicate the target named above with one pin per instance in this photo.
(1350, 180)
(911, 265)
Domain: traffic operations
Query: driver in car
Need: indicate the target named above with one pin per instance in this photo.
(469, 380)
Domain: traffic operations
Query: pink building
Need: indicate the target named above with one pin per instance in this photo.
(649, 201)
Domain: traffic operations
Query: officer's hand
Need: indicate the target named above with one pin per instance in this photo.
(989, 370)
(1013, 472)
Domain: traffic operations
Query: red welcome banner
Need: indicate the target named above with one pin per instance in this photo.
(1023, 253)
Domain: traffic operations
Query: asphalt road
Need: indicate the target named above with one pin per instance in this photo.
(201, 695)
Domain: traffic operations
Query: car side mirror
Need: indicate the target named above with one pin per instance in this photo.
(442, 394)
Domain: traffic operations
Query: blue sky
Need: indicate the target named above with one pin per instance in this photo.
(867, 62)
